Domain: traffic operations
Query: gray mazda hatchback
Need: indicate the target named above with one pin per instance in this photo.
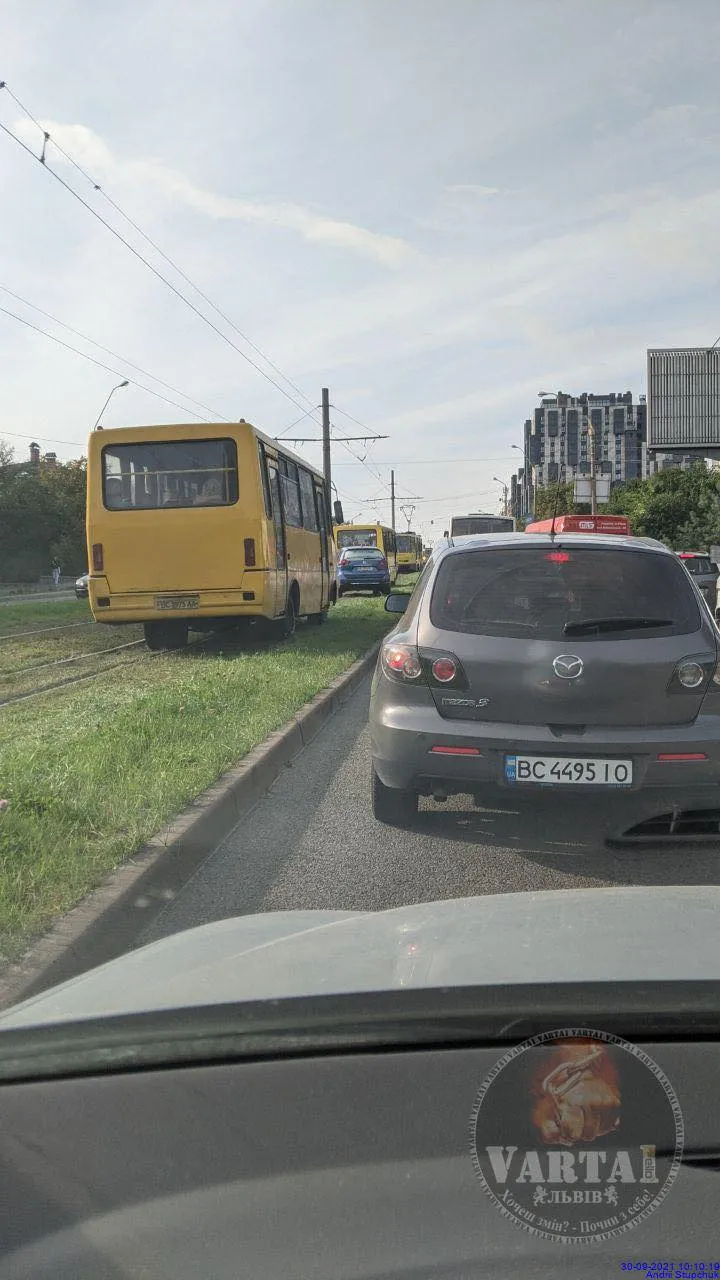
(577, 664)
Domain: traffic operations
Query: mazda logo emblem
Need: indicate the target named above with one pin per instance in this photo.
(567, 666)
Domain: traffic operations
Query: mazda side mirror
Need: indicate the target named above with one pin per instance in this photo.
(396, 602)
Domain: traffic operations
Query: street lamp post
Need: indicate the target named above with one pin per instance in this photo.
(504, 494)
(119, 386)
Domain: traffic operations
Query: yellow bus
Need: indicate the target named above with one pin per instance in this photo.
(369, 535)
(409, 552)
(205, 526)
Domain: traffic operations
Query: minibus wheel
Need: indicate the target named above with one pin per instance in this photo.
(283, 628)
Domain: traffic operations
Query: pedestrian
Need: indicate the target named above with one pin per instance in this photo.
(56, 572)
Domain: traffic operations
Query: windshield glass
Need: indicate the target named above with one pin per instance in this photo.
(461, 526)
(177, 473)
(287, 287)
(359, 716)
(547, 591)
(357, 538)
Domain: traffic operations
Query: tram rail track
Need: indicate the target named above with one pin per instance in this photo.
(204, 641)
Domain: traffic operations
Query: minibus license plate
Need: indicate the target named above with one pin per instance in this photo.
(568, 771)
(177, 602)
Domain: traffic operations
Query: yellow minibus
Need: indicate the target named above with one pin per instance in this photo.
(409, 552)
(369, 535)
(204, 526)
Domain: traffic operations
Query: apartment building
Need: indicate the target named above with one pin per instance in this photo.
(563, 429)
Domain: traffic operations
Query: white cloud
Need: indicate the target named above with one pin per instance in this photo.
(472, 189)
(559, 233)
(93, 153)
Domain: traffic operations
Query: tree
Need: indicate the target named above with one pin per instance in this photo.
(65, 488)
(558, 499)
(679, 508)
(26, 527)
(42, 517)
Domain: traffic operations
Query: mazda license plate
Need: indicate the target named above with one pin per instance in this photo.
(177, 602)
(568, 771)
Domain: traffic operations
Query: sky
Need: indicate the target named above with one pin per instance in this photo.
(434, 208)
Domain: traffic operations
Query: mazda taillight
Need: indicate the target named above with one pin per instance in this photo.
(443, 669)
(401, 662)
(693, 673)
(690, 675)
(383, 563)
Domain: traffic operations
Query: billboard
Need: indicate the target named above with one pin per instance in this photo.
(683, 399)
(583, 489)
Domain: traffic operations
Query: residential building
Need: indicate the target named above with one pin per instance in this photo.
(557, 442)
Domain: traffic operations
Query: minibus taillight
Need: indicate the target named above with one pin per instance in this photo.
(250, 551)
(97, 557)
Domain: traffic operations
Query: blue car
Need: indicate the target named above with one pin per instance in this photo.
(363, 569)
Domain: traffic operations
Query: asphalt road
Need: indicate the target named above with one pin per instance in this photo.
(312, 842)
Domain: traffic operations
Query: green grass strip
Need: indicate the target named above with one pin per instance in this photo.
(51, 613)
(93, 771)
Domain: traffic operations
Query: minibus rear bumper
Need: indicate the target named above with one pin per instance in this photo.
(253, 599)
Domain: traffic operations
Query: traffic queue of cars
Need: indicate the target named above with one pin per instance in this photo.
(546, 663)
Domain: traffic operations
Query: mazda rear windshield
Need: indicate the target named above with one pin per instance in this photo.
(550, 593)
(362, 553)
(170, 473)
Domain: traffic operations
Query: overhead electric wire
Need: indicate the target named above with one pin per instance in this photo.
(153, 244)
(83, 354)
(47, 137)
(25, 435)
(436, 462)
(136, 253)
(123, 360)
(357, 421)
(307, 413)
(375, 474)
(361, 461)
(455, 497)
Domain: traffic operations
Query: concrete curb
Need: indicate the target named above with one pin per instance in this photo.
(108, 921)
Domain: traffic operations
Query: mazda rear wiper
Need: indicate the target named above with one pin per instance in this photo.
(614, 624)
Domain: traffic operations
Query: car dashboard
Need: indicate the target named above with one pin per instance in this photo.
(336, 1162)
